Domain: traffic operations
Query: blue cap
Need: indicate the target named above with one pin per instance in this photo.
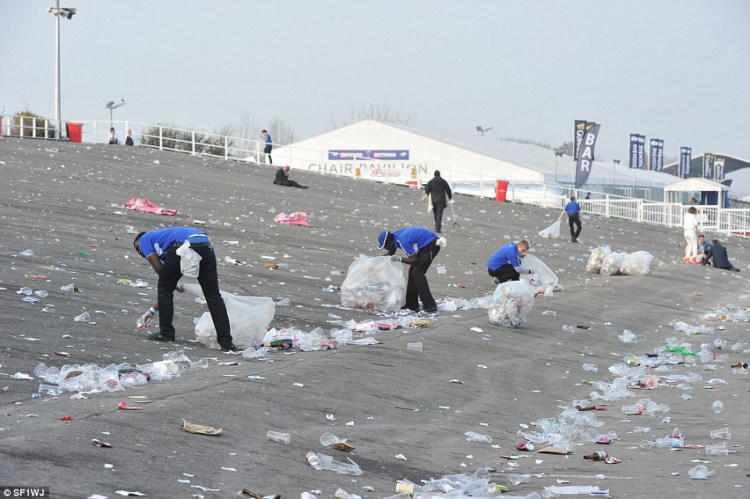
(382, 238)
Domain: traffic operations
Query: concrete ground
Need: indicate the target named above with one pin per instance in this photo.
(64, 202)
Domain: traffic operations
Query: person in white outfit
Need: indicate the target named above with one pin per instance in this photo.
(690, 226)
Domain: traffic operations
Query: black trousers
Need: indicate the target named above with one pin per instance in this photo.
(437, 212)
(574, 220)
(288, 183)
(208, 278)
(267, 151)
(417, 287)
(505, 273)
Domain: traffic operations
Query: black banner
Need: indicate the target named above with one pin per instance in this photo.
(586, 154)
(580, 131)
(633, 154)
(637, 151)
(719, 168)
(708, 165)
(686, 154)
(656, 154)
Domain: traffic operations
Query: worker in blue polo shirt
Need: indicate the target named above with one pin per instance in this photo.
(505, 264)
(159, 247)
(573, 209)
(421, 247)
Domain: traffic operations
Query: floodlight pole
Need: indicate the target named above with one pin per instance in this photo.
(57, 70)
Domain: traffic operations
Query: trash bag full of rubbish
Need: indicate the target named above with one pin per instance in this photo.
(249, 317)
(375, 283)
(511, 303)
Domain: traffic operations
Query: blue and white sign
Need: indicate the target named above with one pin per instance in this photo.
(367, 154)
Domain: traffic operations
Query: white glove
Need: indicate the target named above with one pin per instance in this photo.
(396, 258)
(450, 201)
(144, 320)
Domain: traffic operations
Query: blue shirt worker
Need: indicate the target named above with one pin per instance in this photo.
(505, 263)
(573, 209)
(420, 246)
(159, 248)
(268, 145)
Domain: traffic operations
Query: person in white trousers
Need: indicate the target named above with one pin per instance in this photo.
(690, 226)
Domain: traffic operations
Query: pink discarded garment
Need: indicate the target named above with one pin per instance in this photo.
(147, 206)
(298, 218)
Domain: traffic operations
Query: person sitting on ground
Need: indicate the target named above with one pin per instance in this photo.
(129, 138)
(112, 138)
(505, 264)
(703, 249)
(719, 257)
(282, 178)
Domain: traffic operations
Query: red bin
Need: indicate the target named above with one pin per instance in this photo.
(501, 190)
(75, 131)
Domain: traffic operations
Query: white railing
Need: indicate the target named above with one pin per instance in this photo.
(163, 137)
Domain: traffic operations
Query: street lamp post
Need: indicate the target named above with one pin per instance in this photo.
(112, 105)
(615, 162)
(67, 13)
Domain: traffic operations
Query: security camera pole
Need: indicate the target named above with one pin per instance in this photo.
(67, 13)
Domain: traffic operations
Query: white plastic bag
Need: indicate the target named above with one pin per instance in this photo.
(542, 279)
(551, 232)
(598, 255)
(190, 261)
(637, 263)
(249, 317)
(511, 303)
(612, 263)
(376, 283)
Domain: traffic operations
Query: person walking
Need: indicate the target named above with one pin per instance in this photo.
(159, 247)
(268, 147)
(573, 209)
(505, 263)
(440, 194)
(282, 178)
(421, 247)
(690, 231)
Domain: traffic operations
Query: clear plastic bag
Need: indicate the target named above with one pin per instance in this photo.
(376, 283)
(511, 304)
(612, 263)
(190, 261)
(596, 258)
(542, 279)
(551, 232)
(249, 317)
(637, 263)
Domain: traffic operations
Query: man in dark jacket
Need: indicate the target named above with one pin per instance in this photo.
(282, 178)
(441, 195)
(719, 258)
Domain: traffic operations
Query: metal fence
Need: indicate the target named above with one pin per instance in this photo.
(163, 137)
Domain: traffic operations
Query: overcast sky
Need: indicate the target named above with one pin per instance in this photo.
(678, 70)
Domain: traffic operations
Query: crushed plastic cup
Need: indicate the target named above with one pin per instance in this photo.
(700, 472)
(592, 368)
(25, 290)
(84, 317)
(722, 433)
(414, 347)
(279, 437)
(718, 406)
(68, 287)
(717, 449)
(41, 293)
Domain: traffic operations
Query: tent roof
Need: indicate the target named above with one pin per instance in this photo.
(695, 185)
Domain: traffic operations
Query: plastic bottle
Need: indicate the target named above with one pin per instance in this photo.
(279, 437)
(596, 456)
(718, 406)
(518, 479)
(321, 461)
(592, 368)
(473, 436)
